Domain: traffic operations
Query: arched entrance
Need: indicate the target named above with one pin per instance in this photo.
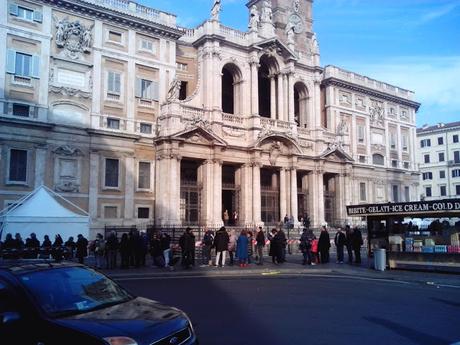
(231, 93)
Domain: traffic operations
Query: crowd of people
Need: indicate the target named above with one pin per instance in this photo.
(240, 248)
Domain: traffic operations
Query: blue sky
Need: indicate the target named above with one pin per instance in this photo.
(414, 44)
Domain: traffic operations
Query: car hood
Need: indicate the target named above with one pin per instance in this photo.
(142, 319)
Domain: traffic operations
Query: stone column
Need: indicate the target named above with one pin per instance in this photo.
(254, 88)
(294, 205)
(217, 203)
(340, 196)
(280, 102)
(93, 184)
(286, 98)
(40, 165)
(160, 197)
(283, 194)
(256, 210)
(290, 93)
(316, 197)
(129, 187)
(207, 195)
(272, 97)
(246, 194)
(174, 188)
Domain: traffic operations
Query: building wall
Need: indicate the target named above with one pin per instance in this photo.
(441, 174)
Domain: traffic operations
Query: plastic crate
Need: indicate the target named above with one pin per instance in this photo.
(440, 249)
(428, 249)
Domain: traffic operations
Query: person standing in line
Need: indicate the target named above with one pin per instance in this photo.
(187, 245)
(221, 244)
(314, 250)
(226, 217)
(282, 242)
(242, 248)
(82, 248)
(206, 243)
(143, 247)
(156, 251)
(111, 248)
(70, 245)
(57, 251)
(124, 250)
(357, 243)
(305, 247)
(349, 243)
(33, 246)
(250, 246)
(324, 244)
(273, 251)
(99, 249)
(165, 241)
(340, 241)
(232, 246)
(260, 244)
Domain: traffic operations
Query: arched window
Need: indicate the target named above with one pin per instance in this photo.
(378, 159)
(267, 86)
(301, 104)
(231, 92)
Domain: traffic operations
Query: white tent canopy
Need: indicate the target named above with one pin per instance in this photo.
(44, 212)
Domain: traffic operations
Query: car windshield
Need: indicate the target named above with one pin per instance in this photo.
(72, 290)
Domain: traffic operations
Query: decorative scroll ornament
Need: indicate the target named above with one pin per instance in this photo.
(67, 150)
(67, 186)
(73, 37)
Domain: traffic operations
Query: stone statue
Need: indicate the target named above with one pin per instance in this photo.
(73, 37)
(60, 28)
(254, 19)
(290, 33)
(267, 14)
(215, 10)
(342, 128)
(315, 46)
(87, 37)
(174, 89)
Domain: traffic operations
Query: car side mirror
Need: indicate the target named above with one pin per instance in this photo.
(10, 317)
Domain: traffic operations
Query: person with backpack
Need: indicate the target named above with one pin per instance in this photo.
(221, 244)
(206, 245)
(340, 241)
(260, 244)
(305, 247)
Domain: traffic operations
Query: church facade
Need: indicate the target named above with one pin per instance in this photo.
(135, 119)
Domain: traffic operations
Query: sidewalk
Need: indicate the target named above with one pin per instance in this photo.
(292, 267)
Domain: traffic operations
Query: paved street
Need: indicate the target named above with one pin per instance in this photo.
(316, 308)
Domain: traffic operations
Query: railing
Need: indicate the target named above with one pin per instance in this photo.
(128, 126)
(233, 119)
(303, 131)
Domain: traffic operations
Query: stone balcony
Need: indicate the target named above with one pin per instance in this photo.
(215, 28)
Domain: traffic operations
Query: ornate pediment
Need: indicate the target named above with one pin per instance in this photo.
(273, 46)
(200, 135)
(335, 152)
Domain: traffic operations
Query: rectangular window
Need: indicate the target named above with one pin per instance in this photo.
(404, 142)
(362, 159)
(360, 134)
(442, 174)
(362, 192)
(407, 193)
(147, 45)
(395, 190)
(112, 168)
(394, 163)
(115, 36)
(18, 166)
(406, 165)
(393, 141)
(456, 156)
(23, 65)
(441, 156)
(21, 110)
(145, 89)
(425, 143)
(442, 191)
(182, 66)
(144, 175)
(428, 191)
(113, 123)
(143, 212)
(113, 82)
(110, 212)
(455, 138)
(427, 175)
(426, 158)
(456, 173)
(25, 13)
(457, 189)
(440, 140)
(146, 128)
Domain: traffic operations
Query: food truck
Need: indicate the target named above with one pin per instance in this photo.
(416, 235)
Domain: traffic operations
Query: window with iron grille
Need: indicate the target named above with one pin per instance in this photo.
(144, 175)
(18, 166)
(112, 167)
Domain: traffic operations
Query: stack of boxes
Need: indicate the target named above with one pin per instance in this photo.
(454, 243)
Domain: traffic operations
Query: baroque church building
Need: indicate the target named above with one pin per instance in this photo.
(137, 120)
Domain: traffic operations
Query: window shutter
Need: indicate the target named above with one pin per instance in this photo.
(110, 87)
(11, 61)
(14, 9)
(38, 17)
(154, 91)
(35, 70)
(117, 82)
(138, 87)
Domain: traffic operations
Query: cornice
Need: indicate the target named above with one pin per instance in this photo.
(369, 91)
(100, 12)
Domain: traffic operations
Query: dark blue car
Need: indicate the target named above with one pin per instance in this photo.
(44, 303)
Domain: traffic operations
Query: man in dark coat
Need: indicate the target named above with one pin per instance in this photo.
(274, 246)
(32, 247)
(340, 241)
(221, 244)
(305, 247)
(260, 244)
(282, 242)
(187, 245)
(111, 249)
(357, 242)
(349, 244)
(324, 243)
(82, 248)
(207, 243)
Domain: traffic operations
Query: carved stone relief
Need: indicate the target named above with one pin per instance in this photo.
(73, 37)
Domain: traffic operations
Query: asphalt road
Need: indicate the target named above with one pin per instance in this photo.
(309, 310)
